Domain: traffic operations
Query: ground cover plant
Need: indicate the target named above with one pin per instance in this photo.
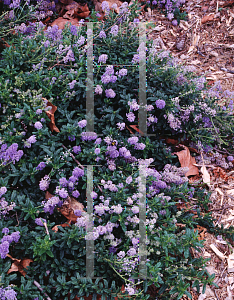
(47, 156)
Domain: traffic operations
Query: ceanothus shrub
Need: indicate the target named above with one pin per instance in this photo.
(47, 154)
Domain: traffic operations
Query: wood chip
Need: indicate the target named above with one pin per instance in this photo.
(217, 252)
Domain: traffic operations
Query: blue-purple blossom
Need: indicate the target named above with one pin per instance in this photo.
(54, 33)
(74, 30)
(39, 111)
(50, 204)
(69, 57)
(75, 194)
(97, 151)
(63, 193)
(46, 44)
(41, 166)
(31, 140)
(38, 125)
(3, 191)
(78, 212)
(121, 126)
(5, 230)
(98, 90)
(131, 117)
(4, 249)
(123, 72)
(103, 58)
(72, 84)
(160, 103)
(76, 149)
(82, 123)
(230, 158)
(63, 182)
(78, 172)
(114, 30)
(15, 4)
(112, 249)
(129, 180)
(133, 140)
(131, 252)
(93, 195)
(40, 221)
(139, 146)
(88, 136)
(98, 141)
(71, 138)
(44, 183)
(15, 236)
(7, 293)
(102, 34)
(121, 254)
(105, 6)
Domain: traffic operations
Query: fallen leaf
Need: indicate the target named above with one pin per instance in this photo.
(61, 22)
(171, 141)
(205, 175)
(76, 10)
(19, 265)
(50, 114)
(130, 130)
(66, 1)
(207, 18)
(136, 128)
(68, 208)
(186, 160)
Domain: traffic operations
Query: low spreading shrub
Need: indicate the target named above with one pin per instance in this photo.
(51, 163)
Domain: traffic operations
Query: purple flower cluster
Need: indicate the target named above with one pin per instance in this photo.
(31, 140)
(7, 240)
(103, 58)
(41, 166)
(88, 136)
(82, 123)
(10, 154)
(44, 183)
(72, 84)
(38, 125)
(76, 149)
(98, 90)
(7, 293)
(40, 221)
(160, 103)
(50, 204)
(54, 33)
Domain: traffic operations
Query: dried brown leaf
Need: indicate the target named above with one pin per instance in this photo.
(50, 114)
(205, 175)
(207, 18)
(68, 208)
(186, 160)
(19, 265)
(61, 22)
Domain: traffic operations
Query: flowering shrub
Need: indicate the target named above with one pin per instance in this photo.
(51, 163)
